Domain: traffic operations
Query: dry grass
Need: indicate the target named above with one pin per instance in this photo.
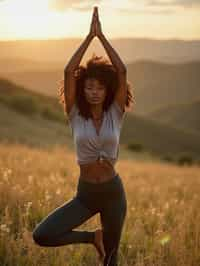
(162, 226)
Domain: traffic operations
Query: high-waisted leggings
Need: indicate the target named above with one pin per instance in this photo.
(108, 198)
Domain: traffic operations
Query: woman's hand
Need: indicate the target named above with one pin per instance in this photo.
(93, 23)
(98, 30)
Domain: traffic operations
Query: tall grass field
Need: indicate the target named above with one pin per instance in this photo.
(162, 226)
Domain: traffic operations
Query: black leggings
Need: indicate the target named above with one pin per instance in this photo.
(107, 198)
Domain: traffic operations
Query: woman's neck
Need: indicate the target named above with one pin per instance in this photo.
(96, 110)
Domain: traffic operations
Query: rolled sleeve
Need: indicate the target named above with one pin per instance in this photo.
(73, 112)
(72, 117)
(118, 113)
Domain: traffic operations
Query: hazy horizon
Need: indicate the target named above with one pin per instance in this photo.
(112, 38)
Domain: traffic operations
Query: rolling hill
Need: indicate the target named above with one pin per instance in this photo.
(159, 138)
(186, 116)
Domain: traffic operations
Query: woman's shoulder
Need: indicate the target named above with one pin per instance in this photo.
(116, 112)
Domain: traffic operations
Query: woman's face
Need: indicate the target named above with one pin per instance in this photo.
(95, 92)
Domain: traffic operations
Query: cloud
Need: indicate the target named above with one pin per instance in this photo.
(129, 11)
(154, 7)
(164, 3)
(157, 7)
(79, 5)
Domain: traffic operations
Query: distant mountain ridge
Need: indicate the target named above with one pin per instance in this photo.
(130, 49)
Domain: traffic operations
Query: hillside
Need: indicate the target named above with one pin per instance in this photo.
(30, 102)
(33, 124)
(158, 84)
(44, 82)
(32, 131)
(31, 118)
(159, 138)
(185, 116)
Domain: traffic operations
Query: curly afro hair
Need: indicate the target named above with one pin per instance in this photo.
(99, 68)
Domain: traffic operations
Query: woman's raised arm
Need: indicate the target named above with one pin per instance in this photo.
(121, 94)
(76, 58)
(69, 79)
(114, 57)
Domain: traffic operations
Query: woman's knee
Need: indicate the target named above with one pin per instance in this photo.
(40, 236)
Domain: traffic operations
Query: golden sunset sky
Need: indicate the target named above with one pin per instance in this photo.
(53, 19)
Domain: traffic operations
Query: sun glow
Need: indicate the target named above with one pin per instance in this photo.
(38, 19)
(31, 19)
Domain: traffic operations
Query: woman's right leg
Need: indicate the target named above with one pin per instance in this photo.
(56, 228)
(113, 216)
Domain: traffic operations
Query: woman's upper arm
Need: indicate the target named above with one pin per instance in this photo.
(69, 89)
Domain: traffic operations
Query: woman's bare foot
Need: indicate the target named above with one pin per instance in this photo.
(98, 242)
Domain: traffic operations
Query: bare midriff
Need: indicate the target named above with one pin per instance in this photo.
(97, 171)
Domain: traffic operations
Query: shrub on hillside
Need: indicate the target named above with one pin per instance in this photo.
(22, 103)
(168, 158)
(134, 146)
(185, 158)
(50, 114)
(28, 105)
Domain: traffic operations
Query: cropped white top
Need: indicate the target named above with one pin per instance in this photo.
(89, 145)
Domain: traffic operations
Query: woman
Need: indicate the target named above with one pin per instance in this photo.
(94, 99)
